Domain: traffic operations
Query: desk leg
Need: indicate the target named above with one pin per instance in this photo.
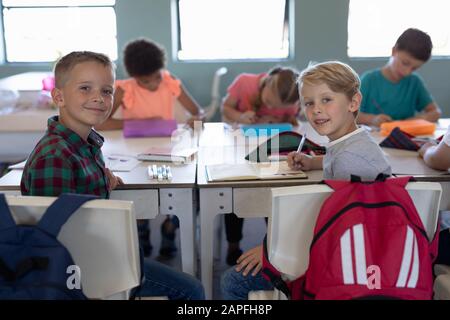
(179, 202)
(213, 201)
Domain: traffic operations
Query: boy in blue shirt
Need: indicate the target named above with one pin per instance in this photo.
(396, 92)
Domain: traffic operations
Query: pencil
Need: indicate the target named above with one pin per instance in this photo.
(377, 106)
(302, 142)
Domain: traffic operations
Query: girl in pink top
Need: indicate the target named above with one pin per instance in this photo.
(151, 91)
(263, 98)
(258, 98)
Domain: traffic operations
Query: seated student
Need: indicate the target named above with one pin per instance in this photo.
(263, 98)
(68, 158)
(151, 92)
(268, 97)
(396, 92)
(330, 96)
(438, 157)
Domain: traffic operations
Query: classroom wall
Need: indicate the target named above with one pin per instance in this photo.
(320, 34)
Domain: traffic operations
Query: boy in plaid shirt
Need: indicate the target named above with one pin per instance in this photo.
(69, 159)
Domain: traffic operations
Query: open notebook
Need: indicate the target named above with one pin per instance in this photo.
(252, 171)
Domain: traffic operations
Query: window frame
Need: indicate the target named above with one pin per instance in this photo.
(289, 22)
(388, 55)
(3, 55)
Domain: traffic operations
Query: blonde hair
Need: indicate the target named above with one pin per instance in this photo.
(69, 61)
(338, 76)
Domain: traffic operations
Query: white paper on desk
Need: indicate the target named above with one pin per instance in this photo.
(19, 165)
(122, 163)
(252, 171)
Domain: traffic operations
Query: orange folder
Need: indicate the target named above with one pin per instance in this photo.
(416, 127)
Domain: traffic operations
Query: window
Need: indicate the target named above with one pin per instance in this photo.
(232, 29)
(374, 26)
(41, 31)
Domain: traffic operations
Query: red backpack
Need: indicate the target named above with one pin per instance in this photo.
(369, 243)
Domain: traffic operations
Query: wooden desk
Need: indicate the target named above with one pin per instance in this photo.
(150, 197)
(253, 198)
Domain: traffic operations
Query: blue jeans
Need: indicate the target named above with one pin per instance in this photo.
(235, 286)
(161, 280)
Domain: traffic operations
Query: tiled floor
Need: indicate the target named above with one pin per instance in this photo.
(254, 231)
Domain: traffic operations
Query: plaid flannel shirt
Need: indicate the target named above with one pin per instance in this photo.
(63, 162)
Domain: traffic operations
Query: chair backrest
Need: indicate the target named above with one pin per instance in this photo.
(181, 115)
(294, 214)
(102, 239)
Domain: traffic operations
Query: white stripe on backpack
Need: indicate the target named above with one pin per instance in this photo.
(359, 252)
(415, 267)
(406, 260)
(346, 258)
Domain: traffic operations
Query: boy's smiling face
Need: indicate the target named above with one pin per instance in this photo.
(330, 113)
(86, 97)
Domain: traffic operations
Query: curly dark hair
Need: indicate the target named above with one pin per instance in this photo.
(143, 57)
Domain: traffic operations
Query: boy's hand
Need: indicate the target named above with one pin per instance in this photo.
(379, 119)
(251, 259)
(425, 147)
(247, 117)
(113, 181)
(300, 161)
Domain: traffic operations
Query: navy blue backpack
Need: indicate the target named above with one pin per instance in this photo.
(33, 263)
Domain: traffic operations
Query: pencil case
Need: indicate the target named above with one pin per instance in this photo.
(287, 142)
(416, 127)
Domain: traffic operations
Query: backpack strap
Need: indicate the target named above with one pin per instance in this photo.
(270, 273)
(60, 211)
(6, 219)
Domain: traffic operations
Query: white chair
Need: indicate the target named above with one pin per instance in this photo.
(102, 239)
(294, 214)
(181, 115)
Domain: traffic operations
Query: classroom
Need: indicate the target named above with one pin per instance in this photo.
(224, 150)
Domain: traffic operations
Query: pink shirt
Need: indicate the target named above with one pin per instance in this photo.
(245, 89)
(140, 103)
